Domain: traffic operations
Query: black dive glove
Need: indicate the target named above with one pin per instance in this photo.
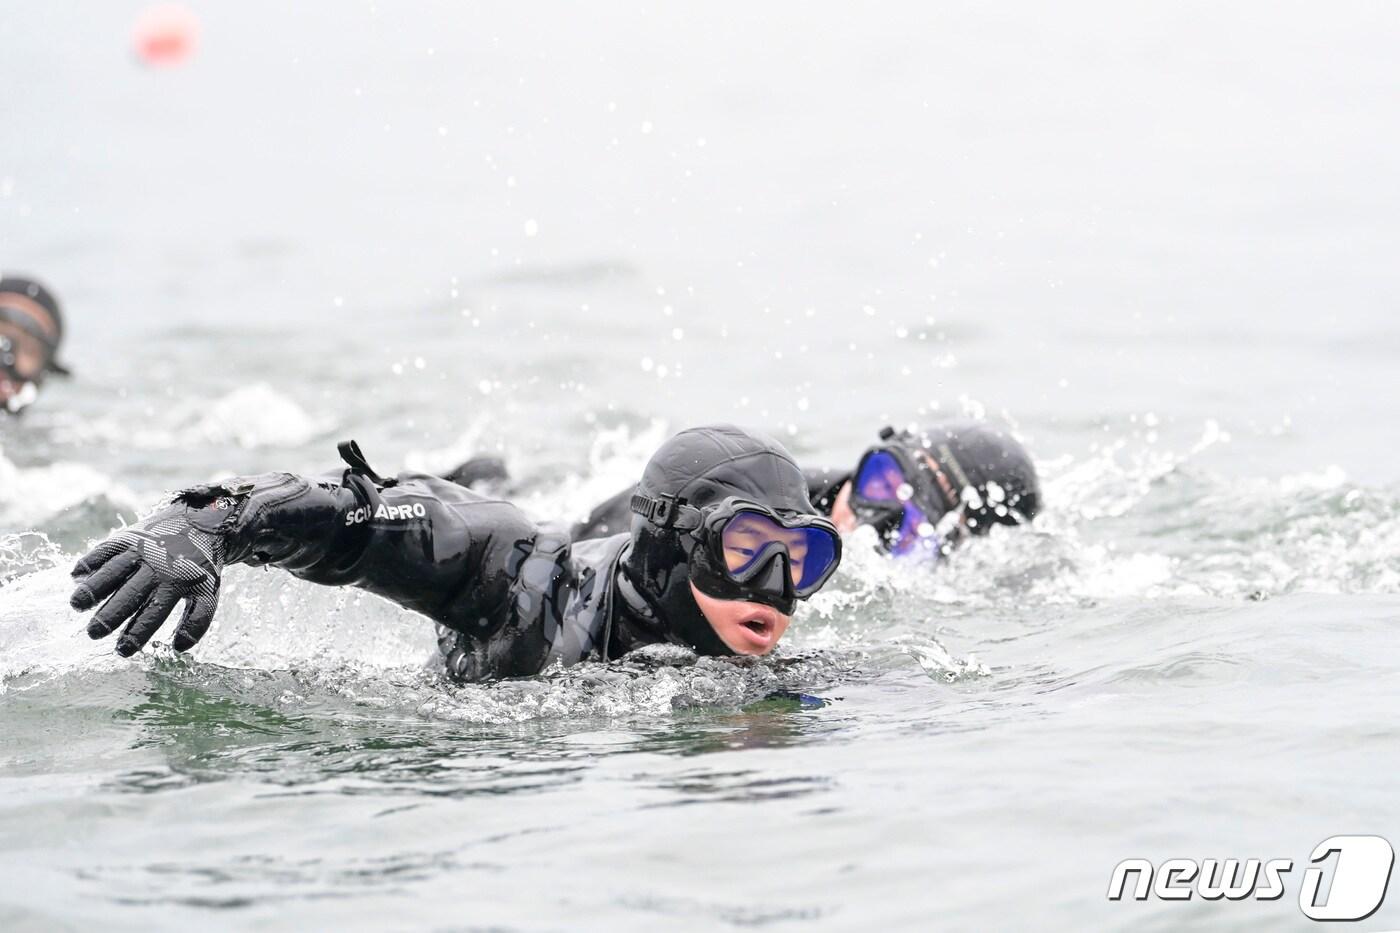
(176, 553)
(179, 551)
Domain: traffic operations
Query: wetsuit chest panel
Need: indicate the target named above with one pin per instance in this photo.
(584, 623)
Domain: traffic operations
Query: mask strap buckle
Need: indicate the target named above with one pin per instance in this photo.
(667, 512)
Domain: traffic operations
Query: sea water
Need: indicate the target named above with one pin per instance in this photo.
(1158, 244)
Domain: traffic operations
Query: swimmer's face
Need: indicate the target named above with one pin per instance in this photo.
(22, 359)
(841, 514)
(744, 627)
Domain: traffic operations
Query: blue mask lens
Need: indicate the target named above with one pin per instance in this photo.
(881, 479)
(751, 537)
(915, 535)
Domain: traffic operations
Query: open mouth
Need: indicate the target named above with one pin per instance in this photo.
(760, 628)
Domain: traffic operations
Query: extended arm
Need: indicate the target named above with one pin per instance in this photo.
(419, 541)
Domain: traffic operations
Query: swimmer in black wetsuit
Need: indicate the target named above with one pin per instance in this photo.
(722, 544)
(31, 328)
(925, 492)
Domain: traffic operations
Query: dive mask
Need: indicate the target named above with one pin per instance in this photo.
(909, 498)
(20, 363)
(747, 551)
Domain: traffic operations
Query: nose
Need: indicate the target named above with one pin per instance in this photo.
(773, 578)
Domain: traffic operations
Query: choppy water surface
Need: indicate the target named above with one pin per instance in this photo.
(1160, 245)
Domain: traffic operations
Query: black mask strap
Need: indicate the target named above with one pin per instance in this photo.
(26, 323)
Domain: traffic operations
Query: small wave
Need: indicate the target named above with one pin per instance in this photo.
(1103, 486)
(34, 497)
(1140, 522)
(1193, 666)
(250, 416)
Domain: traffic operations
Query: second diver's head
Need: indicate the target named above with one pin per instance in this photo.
(926, 491)
(725, 540)
(31, 329)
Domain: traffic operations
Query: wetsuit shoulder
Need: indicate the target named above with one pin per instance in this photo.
(440, 549)
(586, 618)
(824, 485)
(479, 472)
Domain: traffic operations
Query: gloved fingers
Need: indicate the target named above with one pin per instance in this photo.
(124, 603)
(149, 618)
(98, 584)
(98, 556)
(199, 612)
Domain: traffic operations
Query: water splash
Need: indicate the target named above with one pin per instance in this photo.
(249, 417)
(940, 664)
(1123, 524)
(27, 552)
(43, 496)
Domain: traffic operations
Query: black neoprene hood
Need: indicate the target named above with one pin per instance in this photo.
(19, 296)
(36, 292)
(707, 464)
(983, 454)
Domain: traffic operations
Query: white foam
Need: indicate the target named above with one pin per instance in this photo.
(32, 495)
(251, 416)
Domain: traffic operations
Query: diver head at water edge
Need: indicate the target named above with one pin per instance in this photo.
(31, 329)
(926, 492)
(723, 545)
(725, 540)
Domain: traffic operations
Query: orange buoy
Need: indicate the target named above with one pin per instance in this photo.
(165, 35)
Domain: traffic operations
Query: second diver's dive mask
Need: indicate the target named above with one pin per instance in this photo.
(909, 498)
(20, 372)
(747, 551)
(26, 355)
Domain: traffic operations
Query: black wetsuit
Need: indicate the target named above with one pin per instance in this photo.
(510, 598)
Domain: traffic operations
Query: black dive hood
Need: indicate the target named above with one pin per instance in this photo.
(24, 303)
(986, 464)
(704, 466)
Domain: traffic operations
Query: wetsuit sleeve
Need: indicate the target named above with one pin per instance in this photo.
(823, 487)
(420, 541)
(612, 516)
